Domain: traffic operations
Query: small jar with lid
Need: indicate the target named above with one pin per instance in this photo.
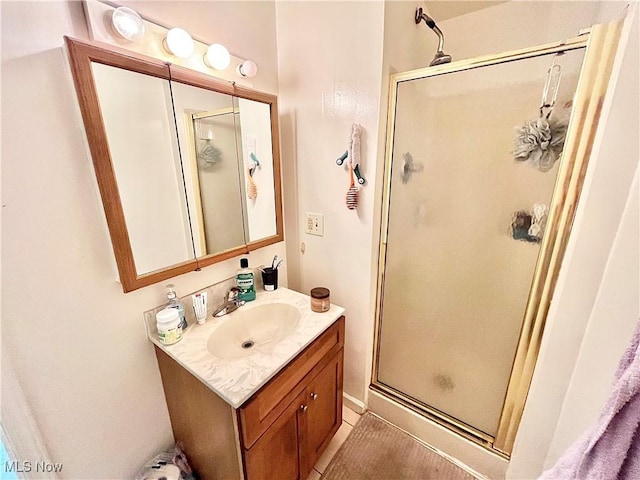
(169, 326)
(320, 299)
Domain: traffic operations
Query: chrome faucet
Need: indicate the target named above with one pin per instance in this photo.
(231, 303)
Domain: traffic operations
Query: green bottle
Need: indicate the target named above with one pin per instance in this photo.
(245, 282)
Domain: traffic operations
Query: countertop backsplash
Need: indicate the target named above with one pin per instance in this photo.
(216, 296)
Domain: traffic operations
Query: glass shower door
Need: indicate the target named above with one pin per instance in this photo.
(465, 224)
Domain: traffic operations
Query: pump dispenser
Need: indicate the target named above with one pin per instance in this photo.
(174, 302)
(245, 282)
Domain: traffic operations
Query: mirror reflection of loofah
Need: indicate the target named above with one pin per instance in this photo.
(540, 141)
(209, 154)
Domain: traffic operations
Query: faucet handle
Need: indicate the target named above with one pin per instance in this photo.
(230, 303)
(232, 297)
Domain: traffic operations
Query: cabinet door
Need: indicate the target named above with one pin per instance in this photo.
(324, 415)
(275, 456)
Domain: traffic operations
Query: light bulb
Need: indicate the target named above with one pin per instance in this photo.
(248, 68)
(217, 57)
(179, 43)
(127, 23)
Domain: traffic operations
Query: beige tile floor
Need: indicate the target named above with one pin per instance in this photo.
(349, 419)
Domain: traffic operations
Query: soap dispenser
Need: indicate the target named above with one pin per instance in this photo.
(245, 282)
(174, 302)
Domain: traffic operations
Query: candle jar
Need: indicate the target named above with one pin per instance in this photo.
(320, 299)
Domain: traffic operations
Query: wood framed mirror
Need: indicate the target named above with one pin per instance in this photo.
(188, 166)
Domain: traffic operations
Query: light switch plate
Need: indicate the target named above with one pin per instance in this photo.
(314, 224)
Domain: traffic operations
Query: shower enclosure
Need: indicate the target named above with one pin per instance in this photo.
(472, 237)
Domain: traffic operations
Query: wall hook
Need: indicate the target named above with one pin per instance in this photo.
(359, 176)
(256, 164)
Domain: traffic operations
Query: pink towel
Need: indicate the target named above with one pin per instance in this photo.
(611, 449)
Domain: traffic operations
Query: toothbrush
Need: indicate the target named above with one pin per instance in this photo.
(200, 306)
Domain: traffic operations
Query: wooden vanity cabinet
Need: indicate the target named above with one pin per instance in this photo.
(277, 434)
(324, 413)
(290, 447)
(277, 453)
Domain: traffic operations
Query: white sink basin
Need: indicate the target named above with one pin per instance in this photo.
(248, 328)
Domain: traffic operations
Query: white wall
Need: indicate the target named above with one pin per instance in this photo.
(508, 26)
(77, 343)
(610, 328)
(330, 57)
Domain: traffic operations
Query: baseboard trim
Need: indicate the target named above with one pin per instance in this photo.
(354, 404)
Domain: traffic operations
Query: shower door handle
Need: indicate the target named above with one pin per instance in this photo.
(409, 167)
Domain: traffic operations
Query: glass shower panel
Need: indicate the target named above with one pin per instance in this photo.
(460, 253)
(219, 173)
(209, 134)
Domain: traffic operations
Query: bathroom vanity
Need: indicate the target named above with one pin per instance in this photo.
(265, 414)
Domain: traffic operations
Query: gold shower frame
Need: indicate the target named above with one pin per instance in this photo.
(600, 42)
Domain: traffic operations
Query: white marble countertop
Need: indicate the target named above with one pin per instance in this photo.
(236, 379)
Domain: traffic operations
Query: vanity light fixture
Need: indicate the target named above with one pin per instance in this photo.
(179, 43)
(127, 23)
(248, 68)
(217, 57)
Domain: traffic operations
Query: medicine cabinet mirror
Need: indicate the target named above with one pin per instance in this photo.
(188, 166)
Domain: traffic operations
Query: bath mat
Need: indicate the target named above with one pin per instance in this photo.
(376, 450)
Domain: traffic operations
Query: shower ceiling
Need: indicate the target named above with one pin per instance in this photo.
(443, 10)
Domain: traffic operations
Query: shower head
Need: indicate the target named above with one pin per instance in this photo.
(440, 58)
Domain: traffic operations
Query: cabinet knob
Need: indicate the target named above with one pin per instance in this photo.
(314, 396)
(303, 408)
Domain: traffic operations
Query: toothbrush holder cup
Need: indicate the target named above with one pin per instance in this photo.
(270, 278)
